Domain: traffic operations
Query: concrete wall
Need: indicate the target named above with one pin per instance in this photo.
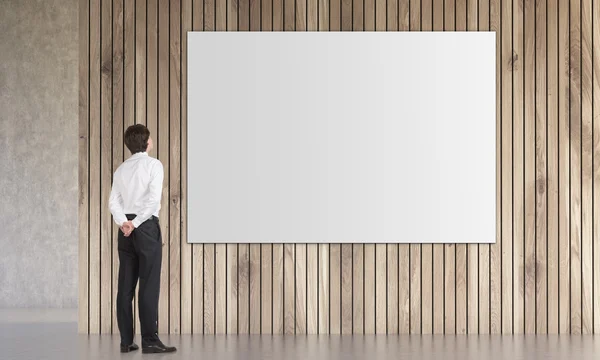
(38, 153)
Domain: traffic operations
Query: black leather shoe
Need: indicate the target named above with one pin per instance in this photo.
(157, 348)
(128, 348)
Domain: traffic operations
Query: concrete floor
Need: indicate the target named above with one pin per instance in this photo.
(60, 341)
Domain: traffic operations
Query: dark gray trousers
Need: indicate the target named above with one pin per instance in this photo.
(140, 256)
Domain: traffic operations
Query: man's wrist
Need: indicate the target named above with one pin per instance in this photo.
(120, 220)
(135, 222)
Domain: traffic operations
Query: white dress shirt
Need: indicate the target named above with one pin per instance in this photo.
(136, 189)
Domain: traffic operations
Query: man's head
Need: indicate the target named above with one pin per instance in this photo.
(137, 138)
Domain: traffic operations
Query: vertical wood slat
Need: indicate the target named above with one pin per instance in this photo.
(300, 296)
(129, 94)
(380, 289)
(232, 15)
(540, 295)
(300, 15)
(255, 268)
(358, 289)
(596, 167)
(94, 171)
(232, 289)
(524, 303)
(395, 10)
(553, 165)
(397, 288)
(220, 288)
(209, 288)
(575, 160)
(546, 236)
(564, 280)
(289, 296)
(508, 58)
(83, 166)
(267, 15)
(198, 289)
(357, 15)
(312, 288)
(426, 291)
(586, 169)
(278, 17)
(106, 222)
(186, 249)
(335, 289)
(368, 14)
(220, 15)
(163, 152)
(117, 134)
(369, 289)
(449, 289)
(243, 289)
(174, 167)
(152, 69)
(210, 15)
(266, 288)
(346, 284)
(461, 289)
(255, 15)
(414, 14)
(495, 253)
(347, 21)
(140, 61)
(335, 15)
(278, 274)
(289, 15)
(323, 264)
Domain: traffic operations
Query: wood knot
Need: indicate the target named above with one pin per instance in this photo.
(513, 60)
(541, 187)
(118, 56)
(106, 68)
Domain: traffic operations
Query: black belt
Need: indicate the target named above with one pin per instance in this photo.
(133, 216)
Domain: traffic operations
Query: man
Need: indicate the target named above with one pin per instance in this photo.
(135, 205)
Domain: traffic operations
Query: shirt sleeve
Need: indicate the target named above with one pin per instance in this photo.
(115, 203)
(152, 203)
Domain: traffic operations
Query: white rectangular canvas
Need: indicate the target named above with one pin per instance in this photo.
(316, 137)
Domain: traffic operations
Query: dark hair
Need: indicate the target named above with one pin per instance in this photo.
(136, 138)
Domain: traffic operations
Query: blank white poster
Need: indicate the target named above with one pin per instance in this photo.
(341, 137)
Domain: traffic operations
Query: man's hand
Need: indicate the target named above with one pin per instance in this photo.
(127, 228)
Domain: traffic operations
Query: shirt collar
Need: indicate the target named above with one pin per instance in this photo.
(138, 155)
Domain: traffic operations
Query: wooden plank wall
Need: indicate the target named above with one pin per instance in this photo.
(541, 276)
